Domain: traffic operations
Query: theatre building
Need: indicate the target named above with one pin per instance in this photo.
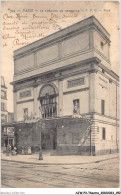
(64, 82)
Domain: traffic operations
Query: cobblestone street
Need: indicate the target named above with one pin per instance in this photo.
(102, 174)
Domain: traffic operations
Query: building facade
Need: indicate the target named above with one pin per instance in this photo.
(4, 112)
(7, 136)
(10, 117)
(67, 75)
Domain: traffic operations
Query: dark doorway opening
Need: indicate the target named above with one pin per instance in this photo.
(49, 140)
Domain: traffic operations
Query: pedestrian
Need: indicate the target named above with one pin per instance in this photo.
(7, 150)
(29, 150)
(14, 151)
(23, 150)
(10, 149)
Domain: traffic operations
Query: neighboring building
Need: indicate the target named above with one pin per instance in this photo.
(10, 117)
(7, 136)
(65, 75)
(4, 112)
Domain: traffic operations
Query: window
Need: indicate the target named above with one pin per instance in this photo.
(102, 45)
(76, 82)
(3, 94)
(48, 106)
(25, 113)
(103, 133)
(25, 94)
(3, 118)
(76, 109)
(102, 107)
(103, 71)
(3, 106)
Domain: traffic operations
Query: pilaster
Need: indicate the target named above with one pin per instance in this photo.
(91, 39)
(60, 99)
(36, 101)
(92, 85)
(15, 105)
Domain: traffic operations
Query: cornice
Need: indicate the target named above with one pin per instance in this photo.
(102, 33)
(94, 60)
(75, 91)
(104, 116)
(54, 61)
(25, 101)
(110, 72)
(61, 75)
(105, 122)
(107, 77)
(99, 53)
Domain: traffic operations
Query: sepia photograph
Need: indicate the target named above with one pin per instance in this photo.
(60, 65)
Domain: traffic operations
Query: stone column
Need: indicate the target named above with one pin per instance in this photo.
(60, 98)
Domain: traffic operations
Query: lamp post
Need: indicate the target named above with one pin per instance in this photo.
(40, 151)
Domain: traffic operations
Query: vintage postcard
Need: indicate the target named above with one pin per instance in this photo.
(60, 95)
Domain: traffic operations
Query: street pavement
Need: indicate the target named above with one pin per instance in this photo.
(48, 159)
(99, 172)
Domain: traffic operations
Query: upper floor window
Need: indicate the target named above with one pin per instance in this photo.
(3, 106)
(3, 118)
(76, 108)
(103, 133)
(102, 107)
(25, 94)
(48, 107)
(102, 44)
(25, 110)
(76, 82)
(47, 98)
(103, 71)
(3, 94)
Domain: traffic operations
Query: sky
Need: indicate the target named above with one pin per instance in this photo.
(25, 22)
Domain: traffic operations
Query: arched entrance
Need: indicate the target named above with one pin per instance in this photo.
(48, 108)
(48, 101)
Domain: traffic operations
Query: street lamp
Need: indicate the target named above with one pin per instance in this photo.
(40, 150)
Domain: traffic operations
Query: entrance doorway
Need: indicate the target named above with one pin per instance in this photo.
(11, 142)
(49, 140)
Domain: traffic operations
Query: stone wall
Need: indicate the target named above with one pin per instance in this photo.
(70, 133)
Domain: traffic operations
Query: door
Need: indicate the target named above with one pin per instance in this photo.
(11, 142)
